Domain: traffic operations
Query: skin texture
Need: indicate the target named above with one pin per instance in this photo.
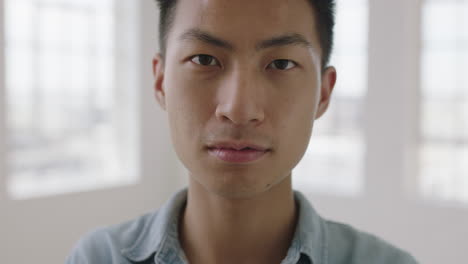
(241, 213)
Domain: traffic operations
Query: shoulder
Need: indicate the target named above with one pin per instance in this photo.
(133, 241)
(105, 244)
(349, 245)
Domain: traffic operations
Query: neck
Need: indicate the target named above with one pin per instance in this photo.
(216, 229)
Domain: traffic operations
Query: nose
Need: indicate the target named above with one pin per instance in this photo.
(241, 100)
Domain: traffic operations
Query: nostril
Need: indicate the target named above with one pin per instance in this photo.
(239, 114)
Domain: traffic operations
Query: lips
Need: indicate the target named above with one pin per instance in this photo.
(237, 152)
(237, 146)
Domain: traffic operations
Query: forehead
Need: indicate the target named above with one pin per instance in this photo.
(244, 22)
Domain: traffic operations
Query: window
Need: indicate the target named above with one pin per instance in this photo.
(444, 144)
(71, 95)
(334, 160)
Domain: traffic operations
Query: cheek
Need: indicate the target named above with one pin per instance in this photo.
(188, 105)
(299, 101)
(296, 119)
(185, 86)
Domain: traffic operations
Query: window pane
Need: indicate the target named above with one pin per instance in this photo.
(334, 159)
(443, 152)
(70, 123)
(444, 170)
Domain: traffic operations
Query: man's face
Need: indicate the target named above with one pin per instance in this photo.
(242, 113)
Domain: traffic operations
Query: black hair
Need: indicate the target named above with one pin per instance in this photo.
(324, 11)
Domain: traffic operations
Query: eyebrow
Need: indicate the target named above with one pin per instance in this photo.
(284, 40)
(197, 34)
(278, 41)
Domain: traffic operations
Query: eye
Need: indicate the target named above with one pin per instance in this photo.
(204, 60)
(282, 64)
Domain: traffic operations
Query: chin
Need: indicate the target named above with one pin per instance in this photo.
(238, 184)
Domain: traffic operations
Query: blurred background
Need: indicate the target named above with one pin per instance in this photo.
(84, 144)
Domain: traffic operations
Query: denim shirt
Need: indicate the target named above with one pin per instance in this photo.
(153, 238)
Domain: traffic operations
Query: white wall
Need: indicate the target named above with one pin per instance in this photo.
(3, 223)
(391, 205)
(43, 230)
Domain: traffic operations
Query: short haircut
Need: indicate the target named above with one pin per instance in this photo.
(325, 20)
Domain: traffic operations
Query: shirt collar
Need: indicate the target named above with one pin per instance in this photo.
(310, 236)
(159, 235)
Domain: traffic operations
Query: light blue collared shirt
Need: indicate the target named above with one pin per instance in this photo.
(153, 238)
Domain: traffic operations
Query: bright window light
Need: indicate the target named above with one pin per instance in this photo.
(333, 163)
(71, 95)
(444, 78)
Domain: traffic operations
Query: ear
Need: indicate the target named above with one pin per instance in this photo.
(326, 89)
(158, 73)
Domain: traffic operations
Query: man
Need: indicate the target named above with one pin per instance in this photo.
(242, 82)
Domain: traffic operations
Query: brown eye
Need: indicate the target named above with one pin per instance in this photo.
(204, 60)
(282, 64)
